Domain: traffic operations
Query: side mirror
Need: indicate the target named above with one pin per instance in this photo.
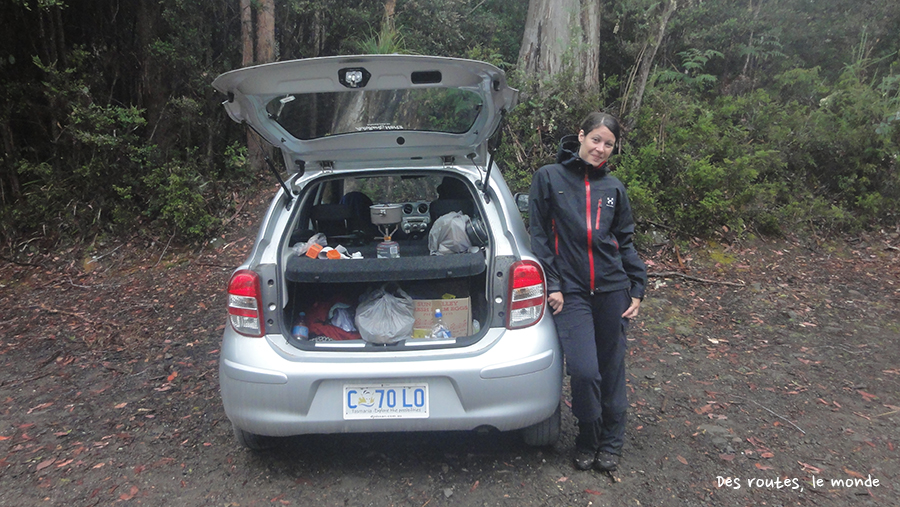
(522, 202)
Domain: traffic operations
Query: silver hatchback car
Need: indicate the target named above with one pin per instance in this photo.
(394, 208)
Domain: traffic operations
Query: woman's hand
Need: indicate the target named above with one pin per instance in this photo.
(555, 300)
(632, 310)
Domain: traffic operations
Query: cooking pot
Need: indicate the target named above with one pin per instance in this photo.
(476, 232)
(386, 214)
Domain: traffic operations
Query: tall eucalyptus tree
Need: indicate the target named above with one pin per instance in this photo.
(559, 33)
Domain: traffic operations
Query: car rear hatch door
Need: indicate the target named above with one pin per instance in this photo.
(370, 108)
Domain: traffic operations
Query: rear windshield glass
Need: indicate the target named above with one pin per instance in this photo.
(314, 115)
(395, 189)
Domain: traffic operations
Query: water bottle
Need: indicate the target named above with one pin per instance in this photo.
(300, 329)
(439, 330)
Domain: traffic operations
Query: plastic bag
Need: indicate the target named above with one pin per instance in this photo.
(341, 315)
(385, 316)
(317, 239)
(448, 234)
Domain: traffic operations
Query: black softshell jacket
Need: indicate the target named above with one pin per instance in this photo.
(582, 227)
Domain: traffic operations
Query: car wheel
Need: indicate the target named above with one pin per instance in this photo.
(251, 440)
(544, 433)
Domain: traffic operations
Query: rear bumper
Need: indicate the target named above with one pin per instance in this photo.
(508, 380)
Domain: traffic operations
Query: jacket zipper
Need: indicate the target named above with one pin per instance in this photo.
(587, 212)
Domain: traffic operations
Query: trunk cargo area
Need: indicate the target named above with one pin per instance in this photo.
(328, 291)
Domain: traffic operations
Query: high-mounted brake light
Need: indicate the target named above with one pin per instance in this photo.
(526, 294)
(245, 303)
(354, 78)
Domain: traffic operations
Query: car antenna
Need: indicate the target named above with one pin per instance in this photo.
(493, 144)
(288, 195)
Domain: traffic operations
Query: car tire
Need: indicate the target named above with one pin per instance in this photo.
(544, 433)
(252, 441)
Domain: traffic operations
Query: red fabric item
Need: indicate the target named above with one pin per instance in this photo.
(587, 213)
(317, 321)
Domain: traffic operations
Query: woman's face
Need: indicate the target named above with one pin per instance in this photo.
(596, 145)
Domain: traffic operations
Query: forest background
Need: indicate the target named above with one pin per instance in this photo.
(744, 117)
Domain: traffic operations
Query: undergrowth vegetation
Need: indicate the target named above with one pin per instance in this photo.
(104, 175)
(804, 154)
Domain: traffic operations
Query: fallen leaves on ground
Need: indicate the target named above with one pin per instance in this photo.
(851, 473)
(867, 396)
(809, 468)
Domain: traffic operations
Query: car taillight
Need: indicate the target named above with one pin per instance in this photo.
(526, 294)
(245, 303)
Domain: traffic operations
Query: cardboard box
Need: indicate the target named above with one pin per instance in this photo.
(457, 315)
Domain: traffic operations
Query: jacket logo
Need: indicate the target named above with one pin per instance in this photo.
(610, 202)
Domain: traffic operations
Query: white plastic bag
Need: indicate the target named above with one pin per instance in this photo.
(301, 248)
(341, 315)
(448, 234)
(385, 316)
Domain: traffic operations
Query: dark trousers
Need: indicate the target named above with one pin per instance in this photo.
(592, 334)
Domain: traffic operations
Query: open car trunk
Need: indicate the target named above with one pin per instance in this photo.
(329, 291)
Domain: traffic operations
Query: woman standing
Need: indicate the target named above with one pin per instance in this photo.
(581, 230)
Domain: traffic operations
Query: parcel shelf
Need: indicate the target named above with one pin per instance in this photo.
(372, 269)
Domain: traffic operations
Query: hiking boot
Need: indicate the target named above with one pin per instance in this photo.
(583, 460)
(606, 462)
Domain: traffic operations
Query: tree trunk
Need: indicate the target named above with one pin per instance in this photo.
(647, 63)
(750, 42)
(265, 32)
(265, 52)
(48, 47)
(151, 93)
(246, 33)
(389, 7)
(590, 57)
(560, 33)
(60, 36)
(8, 170)
(318, 41)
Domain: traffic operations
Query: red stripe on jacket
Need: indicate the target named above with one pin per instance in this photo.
(587, 213)
(555, 236)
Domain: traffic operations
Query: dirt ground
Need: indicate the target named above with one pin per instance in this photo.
(771, 376)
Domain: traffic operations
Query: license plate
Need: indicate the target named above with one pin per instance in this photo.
(385, 401)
